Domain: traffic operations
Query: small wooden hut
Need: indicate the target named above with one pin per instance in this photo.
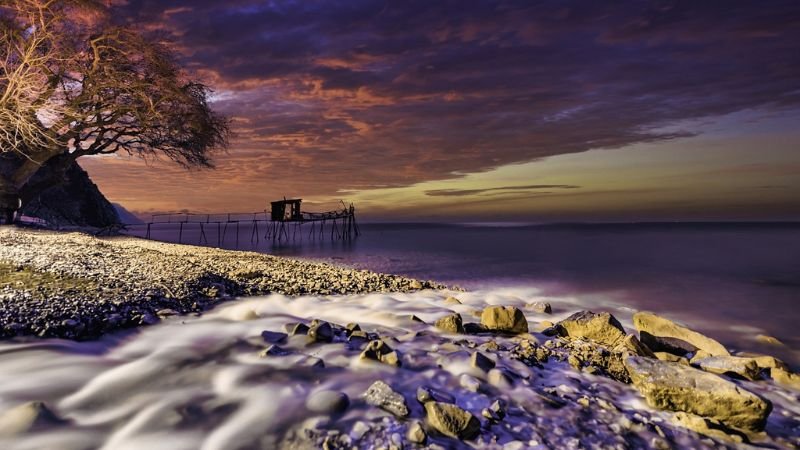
(286, 210)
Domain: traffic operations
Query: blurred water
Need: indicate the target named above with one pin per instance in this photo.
(199, 382)
(732, 281)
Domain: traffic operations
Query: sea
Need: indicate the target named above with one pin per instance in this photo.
(733, 281)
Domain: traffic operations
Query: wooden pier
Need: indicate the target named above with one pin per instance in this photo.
(283, 223)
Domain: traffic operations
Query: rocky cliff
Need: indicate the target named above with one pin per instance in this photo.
(75, 202)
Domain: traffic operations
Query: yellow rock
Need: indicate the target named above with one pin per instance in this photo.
(505, 319)
(676, 387)
(708, 427)
(450, 420)
(786, 378)
(452, 301)
(764, 339)
(661, 334)
(451, 323)
(602, 328)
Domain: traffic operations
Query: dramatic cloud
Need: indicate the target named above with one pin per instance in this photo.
(496, 190)
(349, 95)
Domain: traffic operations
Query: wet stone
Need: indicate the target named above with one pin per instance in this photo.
(661, 334)
(539, 307)
(602, 328)
(479, 361)
(294, 329)
(350, 328)
(320, 331)
(273, 350)
(427, 394)
(451, 323)
(450, 420)
(499, 378)
(27, 417)
(473, 328)
(327, 402)
(504, 319)
(469, 382)
(708, 427)
(677, 387)
(496, 411)
(414, 318)
(273, 337)
(358, 336)
(416, 433)
(166, 312)
(424, 395)
(735, 366)
(380, 351)
(383, 396)
(452, 301)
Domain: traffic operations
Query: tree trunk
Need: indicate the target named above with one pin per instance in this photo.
(31, 165)
(15, 173)
(9, 200)
(54, 175)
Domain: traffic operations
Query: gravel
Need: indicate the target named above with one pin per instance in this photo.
(77, 286)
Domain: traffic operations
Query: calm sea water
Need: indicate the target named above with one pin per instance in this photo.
(732, 281)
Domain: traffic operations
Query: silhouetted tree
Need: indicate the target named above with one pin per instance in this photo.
(73, 84)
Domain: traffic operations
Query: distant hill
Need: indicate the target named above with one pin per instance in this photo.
(126, 216)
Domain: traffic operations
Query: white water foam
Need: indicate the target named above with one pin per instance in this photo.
(198, 382)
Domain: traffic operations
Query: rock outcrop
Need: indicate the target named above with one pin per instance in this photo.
(677, 387)
(602, 328)
(664, 335)
(75, 202)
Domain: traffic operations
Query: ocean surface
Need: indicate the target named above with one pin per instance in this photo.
(733, 281)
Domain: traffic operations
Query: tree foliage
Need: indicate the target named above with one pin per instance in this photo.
(73, 83)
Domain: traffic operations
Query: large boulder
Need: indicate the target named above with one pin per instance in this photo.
(677, 387)
(602, 328)
(504, 319)
(661, 334)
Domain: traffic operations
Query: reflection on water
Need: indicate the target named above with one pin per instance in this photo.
(720, 278)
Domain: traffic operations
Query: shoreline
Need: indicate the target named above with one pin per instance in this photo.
(77, 286)
(505, 370)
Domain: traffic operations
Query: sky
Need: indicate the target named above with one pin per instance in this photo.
(533, 111)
